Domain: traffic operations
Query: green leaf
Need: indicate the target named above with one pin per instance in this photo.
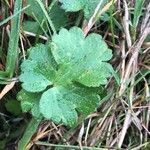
(38, 23)
(57, 15)
(32, 26)
(86, 5)
(30, 102)
(37, 71)
(34, 10)
(65, 75)
(13, 106)
(54, 106)
(137, 12)
(72, 5)
(80, 58)
(60, 104)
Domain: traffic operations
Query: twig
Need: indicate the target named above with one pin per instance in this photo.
(33, 34)
(125, 127)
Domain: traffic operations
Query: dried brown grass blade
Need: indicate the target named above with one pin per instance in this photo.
(6, 89)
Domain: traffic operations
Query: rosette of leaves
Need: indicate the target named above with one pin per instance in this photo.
(88, 6)
(59, 79)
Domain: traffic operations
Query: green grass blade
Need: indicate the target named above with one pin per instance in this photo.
(112, 23)
(30, 130)
(3, 74)
(13, 41)
(137, 12)
(68, 147)
(14, 15)
(47, 16)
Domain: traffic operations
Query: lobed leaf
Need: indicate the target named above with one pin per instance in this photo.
(38, 71)
(80, 58)
(64, 75)
(61, 104)
(30, 102)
